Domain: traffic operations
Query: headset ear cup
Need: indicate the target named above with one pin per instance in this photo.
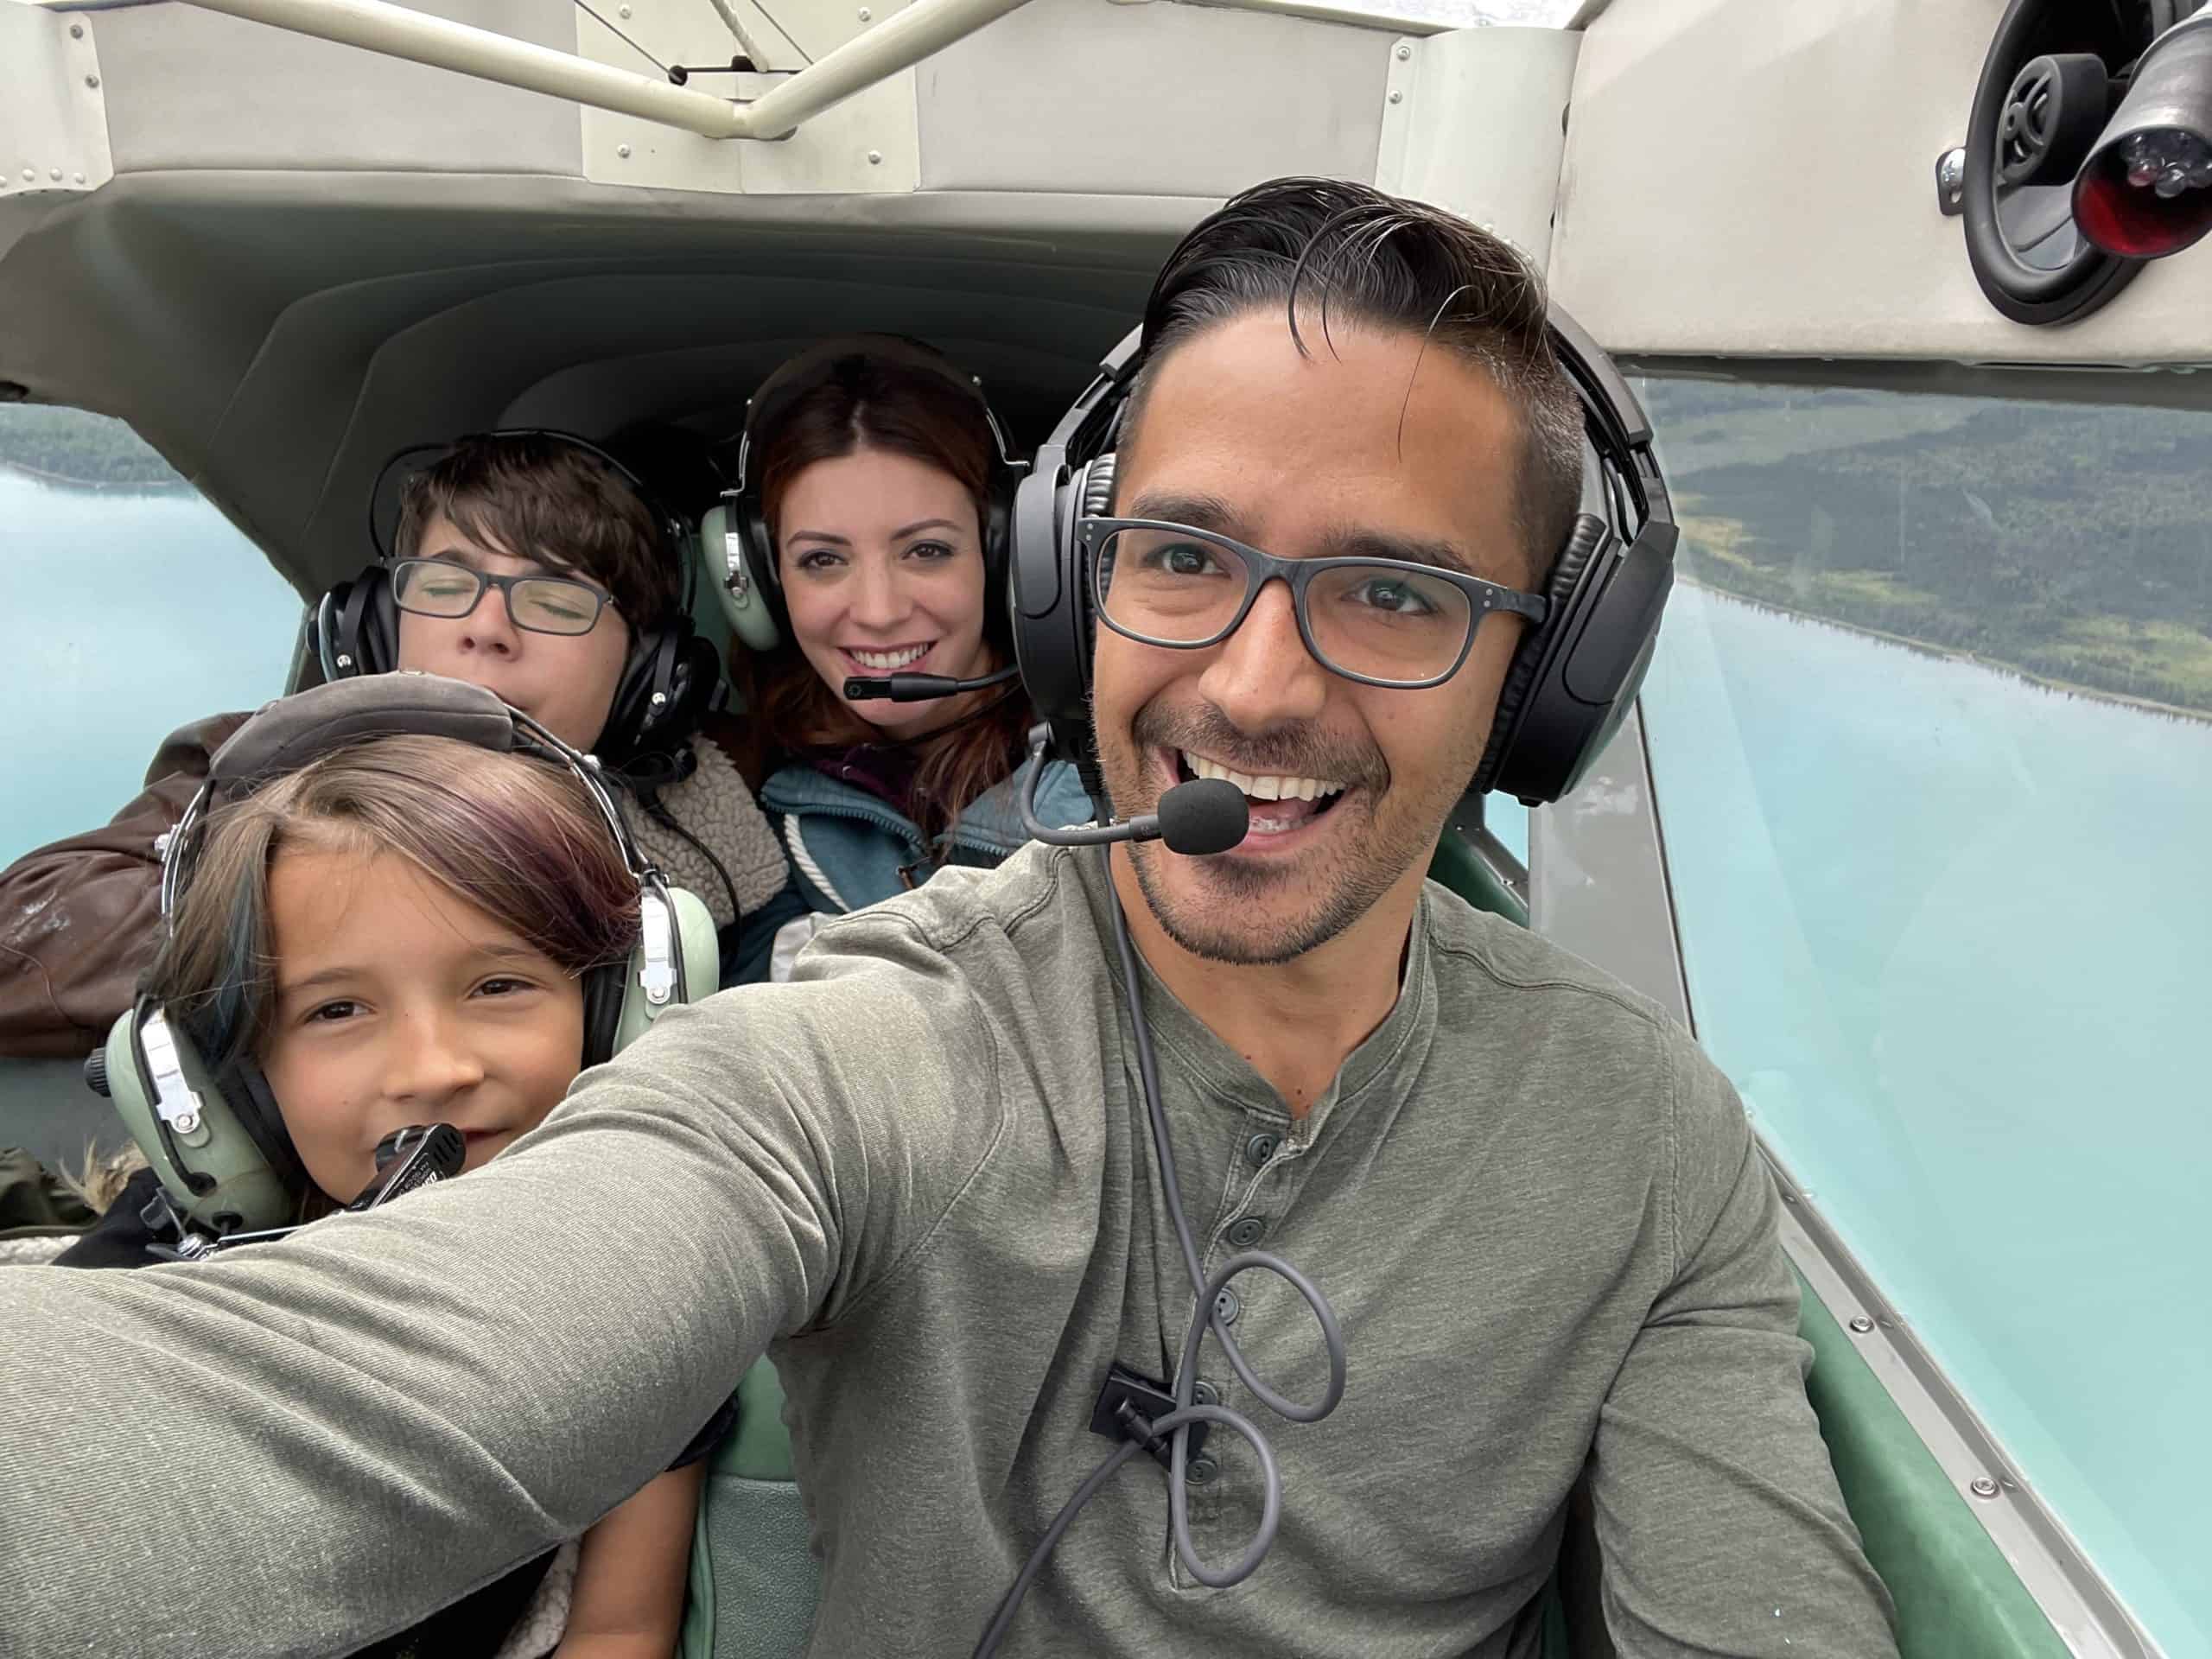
(747, 603)
(603, 989)
(1537, 646)
(365, 626)
(678, 666)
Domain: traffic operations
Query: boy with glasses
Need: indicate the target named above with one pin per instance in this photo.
(524, 563)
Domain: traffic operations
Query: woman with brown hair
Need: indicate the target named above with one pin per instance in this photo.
(870, 517)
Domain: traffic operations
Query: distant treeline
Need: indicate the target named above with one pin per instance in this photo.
(2069, 541)
(78, 447)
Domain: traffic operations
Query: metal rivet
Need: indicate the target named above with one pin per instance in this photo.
(1789, 1197)
(344, 660)
(81, 178)
(76, 31)
(1862, 1325)
(875, 158)
(624, 11)
(623, 150)
(30, 175)
(1397, 98)
(865, 15)
(187, 1123)
(56, 175)
(1982, 1486)
(1404, 53)
(92, 81)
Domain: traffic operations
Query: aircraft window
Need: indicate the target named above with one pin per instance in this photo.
(1930, 726)
(1508, 820)
(132, 607)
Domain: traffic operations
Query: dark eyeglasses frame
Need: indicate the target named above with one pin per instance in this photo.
(506, 585)
(1483, 596)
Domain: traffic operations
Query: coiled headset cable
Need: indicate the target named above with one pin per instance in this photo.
(1144, 1433)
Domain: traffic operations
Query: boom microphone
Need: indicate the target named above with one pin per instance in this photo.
(921, 688)
(1198, 819)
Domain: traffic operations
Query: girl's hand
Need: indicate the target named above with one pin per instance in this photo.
(630, 1573)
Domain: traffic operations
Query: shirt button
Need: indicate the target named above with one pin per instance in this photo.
(1204, 1393)
(1226, 1307)
(1199, 1471)
(1245, 1230)
(1260, 1149)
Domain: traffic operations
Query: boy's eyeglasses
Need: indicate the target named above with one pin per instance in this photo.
(538, 604)
(1381, 622)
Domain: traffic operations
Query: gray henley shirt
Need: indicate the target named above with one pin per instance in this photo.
(919, 1176)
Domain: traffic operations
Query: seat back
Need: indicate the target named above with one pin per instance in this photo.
(754, 1582)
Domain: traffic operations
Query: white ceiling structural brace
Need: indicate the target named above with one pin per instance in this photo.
(898, 42)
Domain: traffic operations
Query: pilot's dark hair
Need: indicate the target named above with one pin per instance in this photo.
(1328, 250)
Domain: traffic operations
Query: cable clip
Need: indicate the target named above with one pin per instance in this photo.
(1127, 1406)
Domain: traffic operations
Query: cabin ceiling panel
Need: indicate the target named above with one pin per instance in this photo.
(233, 319)
(1169, 100)
(595, 353)
(1747, 178)
(189, 88)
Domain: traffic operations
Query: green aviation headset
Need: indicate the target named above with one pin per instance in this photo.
(214, 1135)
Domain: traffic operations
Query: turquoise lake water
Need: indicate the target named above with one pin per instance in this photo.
(122, 616)
(1947, 932)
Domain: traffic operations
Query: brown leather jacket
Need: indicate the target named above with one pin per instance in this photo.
(80, 918)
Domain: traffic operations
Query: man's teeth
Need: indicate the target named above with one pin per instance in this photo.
(891, 658)
(1264, 787)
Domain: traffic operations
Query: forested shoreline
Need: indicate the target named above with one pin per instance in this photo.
(2069, 543)
(72, 447)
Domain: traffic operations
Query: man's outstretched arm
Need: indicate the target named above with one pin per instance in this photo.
(1719, 1519)
(301, 1449)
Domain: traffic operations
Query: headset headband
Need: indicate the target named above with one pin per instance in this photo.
(291, 732)
(822, 362)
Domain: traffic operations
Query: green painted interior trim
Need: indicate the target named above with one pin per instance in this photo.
(1459, 867)
(760, 1448)
(1957, 1597)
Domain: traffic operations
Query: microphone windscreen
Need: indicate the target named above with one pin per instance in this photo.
(1208, 814)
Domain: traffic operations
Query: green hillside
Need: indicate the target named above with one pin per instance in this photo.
(2070, 541)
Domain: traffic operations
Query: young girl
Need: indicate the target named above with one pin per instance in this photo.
(396, 934)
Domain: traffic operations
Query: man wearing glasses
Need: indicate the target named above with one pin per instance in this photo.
(922, 1175)
(523, 562)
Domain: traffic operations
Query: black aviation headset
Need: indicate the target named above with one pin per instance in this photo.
(214, 1135)
(735, 537)
(1574, 677)
(669, 680)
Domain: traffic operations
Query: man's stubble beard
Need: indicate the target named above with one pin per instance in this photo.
(1351, 877)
